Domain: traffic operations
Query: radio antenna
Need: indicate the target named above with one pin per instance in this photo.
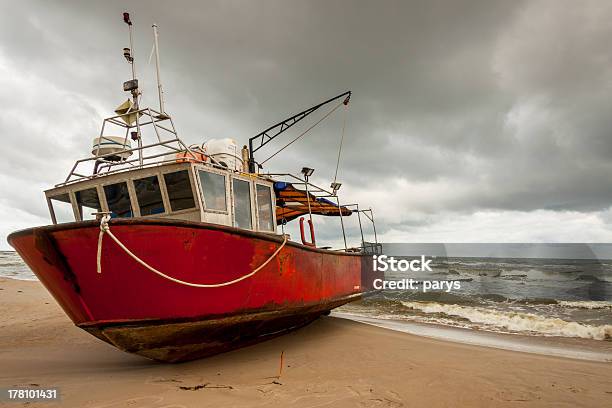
(128, 53)
(160, 90)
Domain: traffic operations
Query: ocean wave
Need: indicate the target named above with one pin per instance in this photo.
(497, 298)
(391, 302)
(17, 263)
(515, 321)
(394, 298)
(589, 278)
(586, 304)
(494, 297)
(514, 276)
(433, 296)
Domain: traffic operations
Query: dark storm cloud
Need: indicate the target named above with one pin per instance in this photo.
(458, 106)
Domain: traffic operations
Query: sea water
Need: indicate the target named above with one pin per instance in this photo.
(12, 266)
(537, 297)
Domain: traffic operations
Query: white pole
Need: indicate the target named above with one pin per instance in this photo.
(132, 63)
(159, 85)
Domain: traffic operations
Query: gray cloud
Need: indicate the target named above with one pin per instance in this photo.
(458, 108)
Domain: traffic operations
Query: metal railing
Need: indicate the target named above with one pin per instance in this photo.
(370, 248)
(146, 154)
(319, 192)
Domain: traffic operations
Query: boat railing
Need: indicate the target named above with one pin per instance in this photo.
(369, 248)
(313, 189)
(146, 155)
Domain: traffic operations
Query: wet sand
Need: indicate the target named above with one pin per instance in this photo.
(331, 363)
(571, 347)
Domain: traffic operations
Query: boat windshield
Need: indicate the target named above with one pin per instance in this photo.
(242, 203)
(149, 196)
(62, 208)
(179, 190)
(118, 200)
(88, 203)
(264, 207)
(213, 187)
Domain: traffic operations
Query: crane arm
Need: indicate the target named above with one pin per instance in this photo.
(261, 139)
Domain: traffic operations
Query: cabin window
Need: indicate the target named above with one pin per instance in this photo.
(179, 190)
(148, 194)
(213, 187)
(118, 200)
(62, 208)
(242, 204)
(264, 208)
(88, 203)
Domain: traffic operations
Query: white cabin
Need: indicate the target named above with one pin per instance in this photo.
(183, 190)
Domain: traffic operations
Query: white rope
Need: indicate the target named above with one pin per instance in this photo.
(104, 228)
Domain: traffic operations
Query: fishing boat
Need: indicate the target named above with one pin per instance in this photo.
(177, 252)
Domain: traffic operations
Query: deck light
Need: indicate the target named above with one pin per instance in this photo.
(307, 171)
(335, 187)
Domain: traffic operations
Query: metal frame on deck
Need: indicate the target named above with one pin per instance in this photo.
(107, 166)
(367, 247)
(319, 192)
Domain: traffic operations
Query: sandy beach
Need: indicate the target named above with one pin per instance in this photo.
(332, 362)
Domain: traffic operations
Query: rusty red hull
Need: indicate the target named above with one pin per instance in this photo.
(138, 311)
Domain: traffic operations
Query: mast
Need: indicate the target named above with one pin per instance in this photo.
(129, 52)
(132, 87)
(160, 90)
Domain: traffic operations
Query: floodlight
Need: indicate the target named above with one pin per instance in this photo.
(307, 171)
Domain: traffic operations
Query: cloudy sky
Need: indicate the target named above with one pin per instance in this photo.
(471, 121)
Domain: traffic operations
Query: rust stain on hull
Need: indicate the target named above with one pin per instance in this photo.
(174, 342)
(45, 244)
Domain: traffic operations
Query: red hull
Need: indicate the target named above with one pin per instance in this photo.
(132, 308)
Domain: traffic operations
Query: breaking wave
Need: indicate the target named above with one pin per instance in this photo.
(585, 304)
(515, 321)
(588, 278)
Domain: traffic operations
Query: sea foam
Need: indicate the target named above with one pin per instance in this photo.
(515, 321)
(586, 304)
